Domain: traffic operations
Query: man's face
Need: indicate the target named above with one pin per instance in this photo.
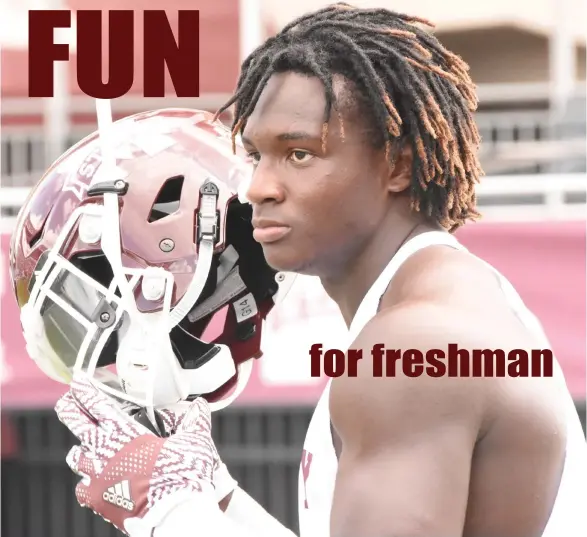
(314, 211)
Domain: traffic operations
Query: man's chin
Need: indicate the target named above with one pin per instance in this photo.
(284, 258)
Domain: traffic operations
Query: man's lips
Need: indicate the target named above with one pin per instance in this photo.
(266, 235)
(268, 231)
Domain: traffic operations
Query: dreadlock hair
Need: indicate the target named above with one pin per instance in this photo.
(417, 93)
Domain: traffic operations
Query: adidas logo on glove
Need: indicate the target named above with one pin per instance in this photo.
(119, 495)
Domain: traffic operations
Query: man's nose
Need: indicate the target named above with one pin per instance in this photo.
(265, 186)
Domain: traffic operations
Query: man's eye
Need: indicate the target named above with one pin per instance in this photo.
(255, 157)
(300, 157)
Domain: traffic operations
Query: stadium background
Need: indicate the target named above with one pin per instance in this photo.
(528, 59)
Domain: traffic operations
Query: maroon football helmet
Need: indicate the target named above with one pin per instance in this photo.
(144, 273)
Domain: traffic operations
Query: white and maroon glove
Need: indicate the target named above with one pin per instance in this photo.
(171, 418)
(131, 477)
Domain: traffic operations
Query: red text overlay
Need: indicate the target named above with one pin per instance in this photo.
(452, 362)
(160, 50)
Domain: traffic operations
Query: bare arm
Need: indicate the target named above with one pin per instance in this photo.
(407, 442)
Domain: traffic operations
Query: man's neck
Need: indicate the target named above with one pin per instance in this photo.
(349, 288)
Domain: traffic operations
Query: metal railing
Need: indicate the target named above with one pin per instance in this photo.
(513, 142)
(514, 197)
(528, 142)
(533, 197)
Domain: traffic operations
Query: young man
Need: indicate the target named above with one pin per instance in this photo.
(360, 126)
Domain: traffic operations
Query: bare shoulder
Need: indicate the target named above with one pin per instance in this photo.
(451, 278)
(403, 406)
(366, 404)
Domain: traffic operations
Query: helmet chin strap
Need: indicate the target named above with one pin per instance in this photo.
(207, 228)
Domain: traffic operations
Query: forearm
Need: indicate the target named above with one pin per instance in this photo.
(245, 512)
(243, 517)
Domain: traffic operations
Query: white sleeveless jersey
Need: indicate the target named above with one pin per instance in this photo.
(319, 462)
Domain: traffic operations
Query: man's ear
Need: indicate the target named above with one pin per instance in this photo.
(400, 171)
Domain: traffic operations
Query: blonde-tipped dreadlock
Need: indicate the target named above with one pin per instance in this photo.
(417, 91)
